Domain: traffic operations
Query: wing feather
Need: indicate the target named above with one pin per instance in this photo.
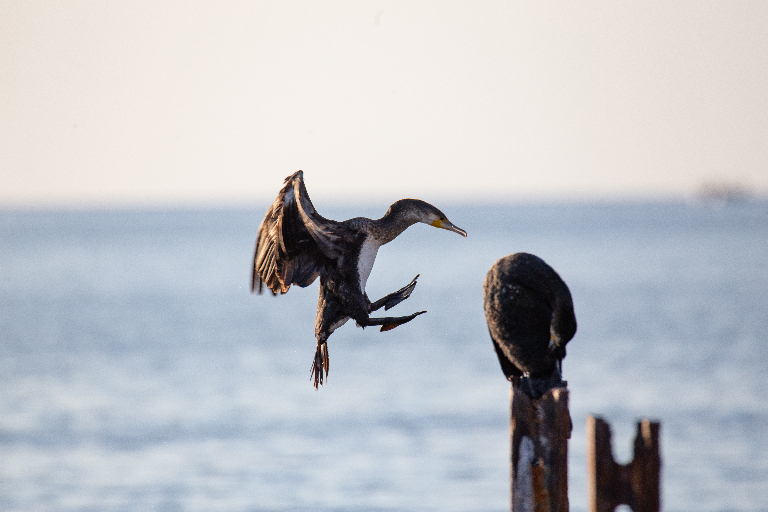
(295, 244)
(327, 234)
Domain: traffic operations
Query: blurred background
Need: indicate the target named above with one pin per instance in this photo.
(199, 102)
(141, 143)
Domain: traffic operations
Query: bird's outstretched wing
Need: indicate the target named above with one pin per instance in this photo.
(295, 244)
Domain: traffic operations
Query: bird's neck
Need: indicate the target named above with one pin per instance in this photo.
(391, 225)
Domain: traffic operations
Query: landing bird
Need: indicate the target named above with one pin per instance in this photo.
(530, 317)
(296, 245)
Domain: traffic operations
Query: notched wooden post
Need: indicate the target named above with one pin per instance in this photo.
(539, 433)
(636, 484)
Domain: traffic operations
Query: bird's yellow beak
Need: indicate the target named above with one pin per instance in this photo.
(446, 224)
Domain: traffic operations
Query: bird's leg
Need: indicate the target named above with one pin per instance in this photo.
(535, 386)
(395, 298)
(389, 322)
(319, 364)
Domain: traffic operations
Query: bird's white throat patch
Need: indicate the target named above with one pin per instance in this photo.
(365, 262)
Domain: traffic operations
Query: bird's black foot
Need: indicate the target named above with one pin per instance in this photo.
(393, 299)
(536, 387)
(319, 364)
(390, 322)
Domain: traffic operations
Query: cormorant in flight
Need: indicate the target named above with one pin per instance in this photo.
(296, 245)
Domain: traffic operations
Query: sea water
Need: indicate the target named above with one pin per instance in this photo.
(138, 372)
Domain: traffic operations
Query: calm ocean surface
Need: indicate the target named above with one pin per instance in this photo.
(138, 373)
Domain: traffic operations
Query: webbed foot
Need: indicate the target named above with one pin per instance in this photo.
(393, 299)
(536, 387)
(390, 322)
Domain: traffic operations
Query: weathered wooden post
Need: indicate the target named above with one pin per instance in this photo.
(637, 483)
(539, 430)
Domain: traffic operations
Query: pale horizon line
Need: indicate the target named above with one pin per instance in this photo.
(263, 201)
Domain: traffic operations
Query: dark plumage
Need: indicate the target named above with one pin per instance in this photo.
(296, 245)
(530, 317)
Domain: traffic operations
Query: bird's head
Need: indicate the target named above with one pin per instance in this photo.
(417, 210)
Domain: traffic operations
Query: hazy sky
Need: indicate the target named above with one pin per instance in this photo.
(216, 102)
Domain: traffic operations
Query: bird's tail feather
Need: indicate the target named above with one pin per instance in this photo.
(320, 364)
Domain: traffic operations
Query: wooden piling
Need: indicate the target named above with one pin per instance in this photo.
(637, 483)
(539, 432)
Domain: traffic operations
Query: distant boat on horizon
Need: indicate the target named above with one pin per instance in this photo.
(724, 193)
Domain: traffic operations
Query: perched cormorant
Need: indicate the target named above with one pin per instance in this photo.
(530, 317)
(296, 245)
